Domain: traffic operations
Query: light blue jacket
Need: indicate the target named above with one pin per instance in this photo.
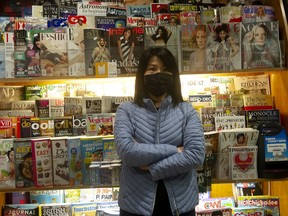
(146, 136)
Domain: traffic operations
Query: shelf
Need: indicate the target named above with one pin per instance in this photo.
(73, 78)
(67, 187)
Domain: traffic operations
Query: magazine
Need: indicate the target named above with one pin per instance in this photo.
(166, 36)
(126, 45)
(53, 54)
(96, 42)
(223, 46)
(260, 45)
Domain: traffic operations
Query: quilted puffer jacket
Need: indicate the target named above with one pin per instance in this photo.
(147, 136)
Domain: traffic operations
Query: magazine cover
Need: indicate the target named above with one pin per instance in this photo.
(110, 22)
(46, 196)
(219, 100)
(23, 105)
(260, 45)
(42, 108)
(100, 124)
(167, 36)
(138, 10)
(46, 127)
(56, 107)
(255, 102)
(223, 46)
(19, 53)
(59, 209)
(111, 103)
(23, 163)
(126, 46)
(91, 151)
(222, 84)
(8, 127)
(254, 118)
(91, 105)
(96, 42)
(75, 51)
(209, 16)
(72, 106)
(59, 148)
(190, 18)
(140, 21)
(75, 161)
(34, 92)
(53, 54)
(56, 90)
(194, 48)
(230, 14)
(42, 162)
(195, 85)
(9, 54)
(157, 8)
(63, 126)
(208, 115)
(7, 164)
(2, 55)
(257, 13)
(252, 84)
(109, 149)
(80, 209)
(248, 211)
(232, 138)
(229, 122)
(220, 211)
(271, 204)
(168, 19)
(79, 125)
(26, 209)
(215, 203)
(11, 93)
(243, 160)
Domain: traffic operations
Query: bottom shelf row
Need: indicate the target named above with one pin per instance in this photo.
(245, 201)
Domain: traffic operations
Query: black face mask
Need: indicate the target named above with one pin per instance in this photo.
(158, 83)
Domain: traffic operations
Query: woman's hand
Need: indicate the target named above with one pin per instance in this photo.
(180, 149)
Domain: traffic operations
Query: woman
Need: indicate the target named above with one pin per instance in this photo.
(198, 56)
(161, 36)
(221, 51)
(260, 49)
(126, 46)
(159, 139)
(101, 52)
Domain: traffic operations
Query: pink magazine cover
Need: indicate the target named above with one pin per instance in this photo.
(42, 162)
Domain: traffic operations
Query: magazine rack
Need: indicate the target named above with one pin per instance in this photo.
(272, 151)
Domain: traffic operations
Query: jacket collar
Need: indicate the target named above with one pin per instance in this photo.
(165, 103)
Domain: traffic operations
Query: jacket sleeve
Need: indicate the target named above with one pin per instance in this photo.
(130, 152)
(193, 154)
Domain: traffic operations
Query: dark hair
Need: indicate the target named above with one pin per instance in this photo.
(217, 213)
(219, 28)
(169, 61)
(8, 153)
(240, 135)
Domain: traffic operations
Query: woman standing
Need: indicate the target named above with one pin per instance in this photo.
(160, 140)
